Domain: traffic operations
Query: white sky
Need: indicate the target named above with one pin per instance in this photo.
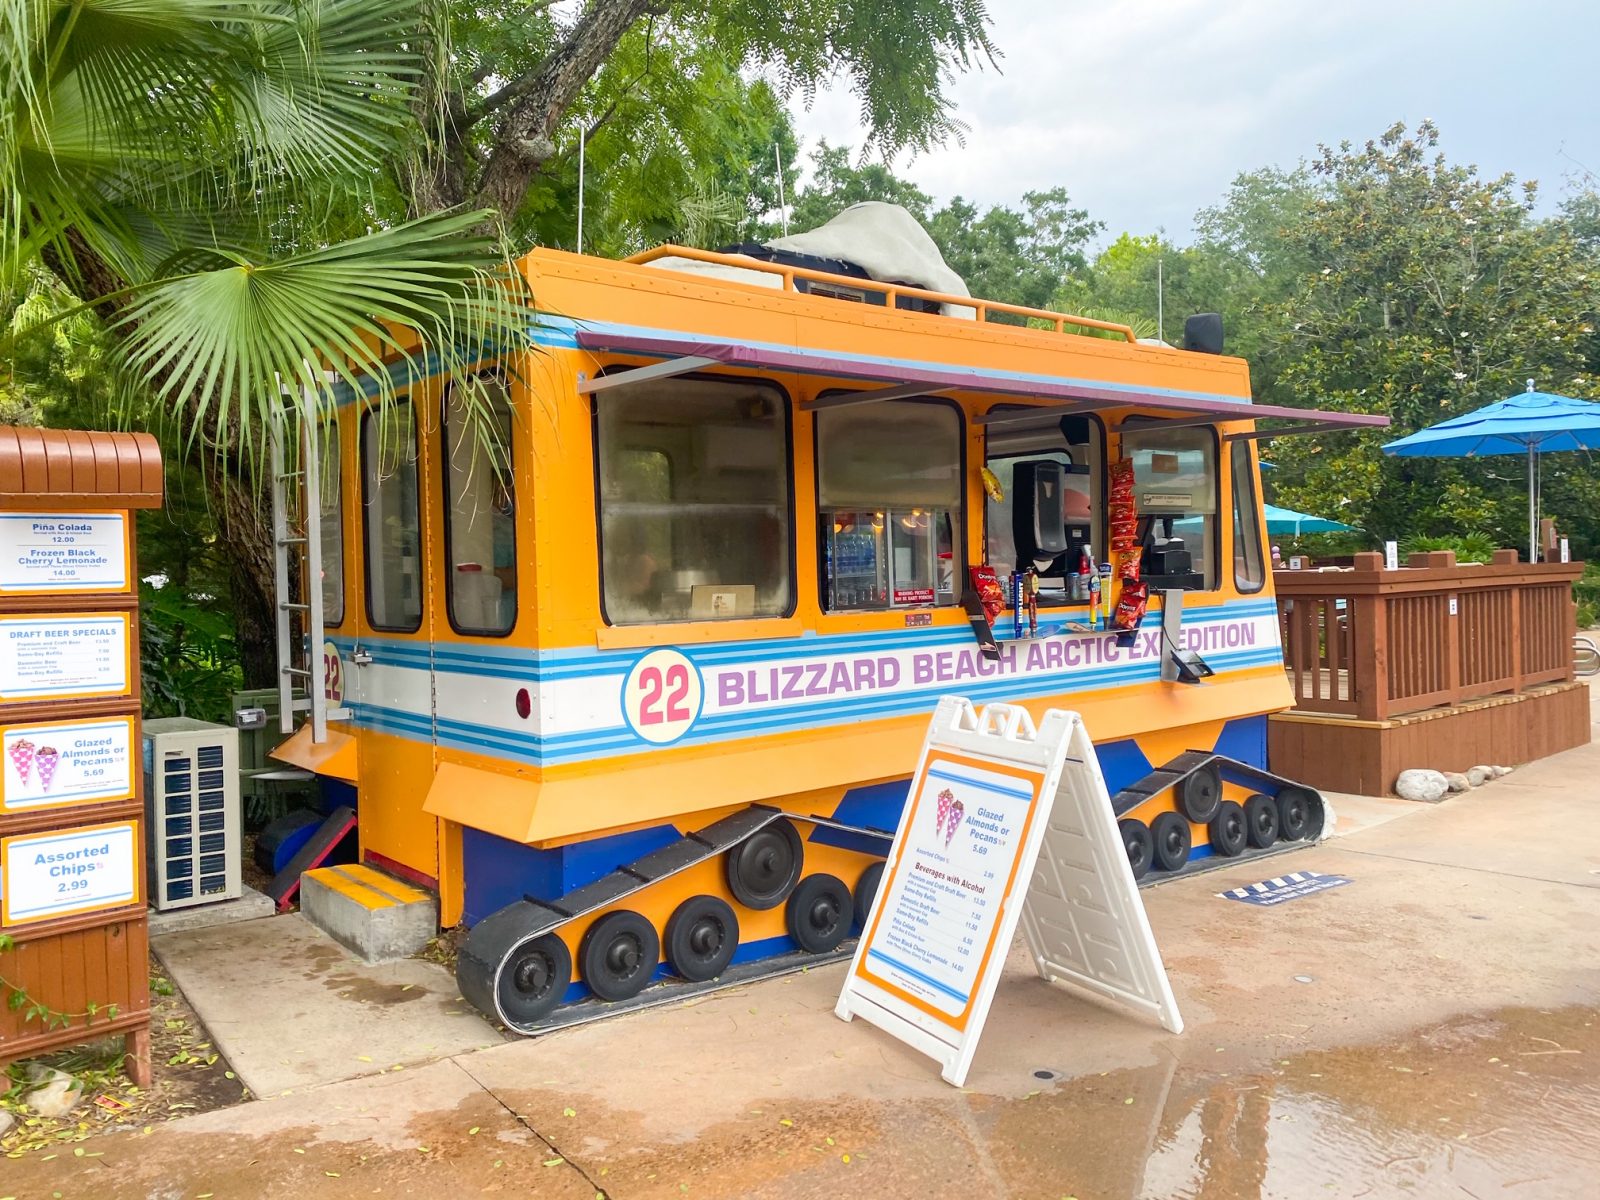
(1146, 111)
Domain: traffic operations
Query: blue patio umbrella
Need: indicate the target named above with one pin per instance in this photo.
(1287, 521)
(1532, 423)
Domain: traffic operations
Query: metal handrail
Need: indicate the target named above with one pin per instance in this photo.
(891, 291)
(1585, 656)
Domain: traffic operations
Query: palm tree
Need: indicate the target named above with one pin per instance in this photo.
(205, 175)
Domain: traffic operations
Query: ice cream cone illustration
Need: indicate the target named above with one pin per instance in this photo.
(22, 759)
(957, 812)
(945, 799)
(46, 759)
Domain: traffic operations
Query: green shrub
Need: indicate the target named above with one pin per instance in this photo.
(187, 660)
(1471, 547)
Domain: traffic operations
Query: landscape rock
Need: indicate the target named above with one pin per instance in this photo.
(58, 1093)
(1419, 783)
(1459, 782)
(1478, 776)
(6, 1122)
(1500, 771)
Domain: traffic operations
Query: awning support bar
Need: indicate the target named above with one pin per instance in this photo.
(1146, 424)
(1261, 435)
(903, 392)
(661, 370)
(1035, 412)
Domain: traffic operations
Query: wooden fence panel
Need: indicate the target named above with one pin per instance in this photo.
(1373, 643)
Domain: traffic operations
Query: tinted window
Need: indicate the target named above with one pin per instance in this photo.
(1249, 565)
(393, 528)
(481, 519)
(889, 491)
(330, 507)
(694, 501)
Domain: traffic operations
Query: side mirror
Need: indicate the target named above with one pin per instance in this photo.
(1038, 523)
(1202, 333)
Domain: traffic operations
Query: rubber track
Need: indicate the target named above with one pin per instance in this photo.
(1171, 774)
(498, 936)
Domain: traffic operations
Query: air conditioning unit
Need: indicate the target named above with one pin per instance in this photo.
(191, 802)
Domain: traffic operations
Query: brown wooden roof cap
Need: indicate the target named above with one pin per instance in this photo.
(71, 467)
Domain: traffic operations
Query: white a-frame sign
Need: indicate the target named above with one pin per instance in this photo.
(1004, 822)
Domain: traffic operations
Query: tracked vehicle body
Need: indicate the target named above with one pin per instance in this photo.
(640, 702)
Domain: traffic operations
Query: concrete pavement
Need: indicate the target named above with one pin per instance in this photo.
(1431, 1029)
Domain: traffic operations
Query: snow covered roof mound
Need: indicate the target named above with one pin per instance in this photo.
(885, 241)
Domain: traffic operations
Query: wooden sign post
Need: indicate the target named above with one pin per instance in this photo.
(71, 816)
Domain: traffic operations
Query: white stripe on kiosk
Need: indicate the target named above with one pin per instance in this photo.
(1001, 812)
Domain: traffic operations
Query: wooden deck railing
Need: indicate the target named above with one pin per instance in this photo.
(1372, 643)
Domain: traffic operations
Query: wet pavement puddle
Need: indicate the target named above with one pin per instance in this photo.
(1503, 1104)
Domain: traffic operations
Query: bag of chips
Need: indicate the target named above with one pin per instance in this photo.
(990, 594)
(1122, 481)
(1131, 606)
(1124, 532)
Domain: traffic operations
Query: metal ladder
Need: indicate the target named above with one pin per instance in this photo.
(297, 548)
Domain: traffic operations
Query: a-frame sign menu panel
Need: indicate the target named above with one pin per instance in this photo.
(965, 858)
(1084, 915)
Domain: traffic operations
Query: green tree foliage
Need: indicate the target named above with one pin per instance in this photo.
(240, 189)
(833, 183)
(1428, 291)
(1019, 256)
(496, 111)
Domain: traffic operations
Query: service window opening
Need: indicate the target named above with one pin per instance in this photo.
(1076, 444)
(889, 492)
(1175, 489)
(694, 501)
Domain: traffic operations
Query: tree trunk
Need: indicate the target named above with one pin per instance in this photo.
(525, 140)
(246, 547)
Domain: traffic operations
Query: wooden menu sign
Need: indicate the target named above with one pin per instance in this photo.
(71, 814)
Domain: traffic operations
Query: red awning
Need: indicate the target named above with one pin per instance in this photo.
(688, 353)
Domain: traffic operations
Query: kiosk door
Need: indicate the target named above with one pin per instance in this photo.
(392, 663)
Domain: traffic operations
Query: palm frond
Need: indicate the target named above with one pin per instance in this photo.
(218, 343)
(122, 116)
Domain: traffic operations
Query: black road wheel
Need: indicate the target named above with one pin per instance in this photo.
(1136, 840)
(763, 869)
(619, 954)
(819, 913)
(1199, 795)
(867, 892)
(1297, 807)
(1227, 831)
(701, 938)
(533, 979)
(1261, 815)
(1170, 834)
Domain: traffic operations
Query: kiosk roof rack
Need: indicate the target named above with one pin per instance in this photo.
(892, 292)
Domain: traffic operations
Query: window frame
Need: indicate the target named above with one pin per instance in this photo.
(1240, 451)
(786, 410)
(959, 542)
(1144, 424)
(367, 418)
(1099, 525)
(332, 423)
(448, 506)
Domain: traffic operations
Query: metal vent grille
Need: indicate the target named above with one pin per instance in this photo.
(192, 799)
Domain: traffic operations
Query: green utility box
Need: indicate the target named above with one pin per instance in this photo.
(269, 787)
